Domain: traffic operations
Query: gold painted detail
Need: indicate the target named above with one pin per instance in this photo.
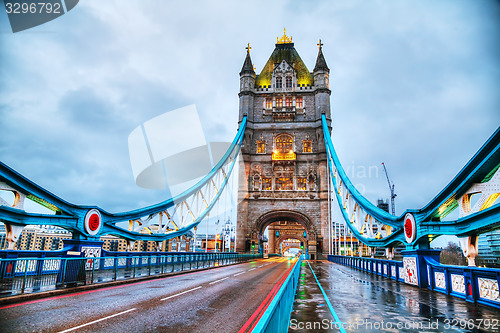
(43, 203)
(284, 156)
(285, 39)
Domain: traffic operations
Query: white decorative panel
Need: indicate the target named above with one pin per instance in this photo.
(109, 262)
(439, 280)
(122, 261)
(91, 252)
(379, 267)
(410, 267)
(393, 270)
(457, 283)
(385, 269)
(51, 264)
(402, 273)
(488, 289)
(21, 266)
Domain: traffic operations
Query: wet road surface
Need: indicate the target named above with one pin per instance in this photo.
(220, 299)
(368, 303)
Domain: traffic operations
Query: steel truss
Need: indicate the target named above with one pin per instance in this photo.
(375, 227)
(169, 219)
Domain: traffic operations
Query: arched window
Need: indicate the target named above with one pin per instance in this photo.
(288, 82)
(284, 143)
(279, 82)
(261, 147)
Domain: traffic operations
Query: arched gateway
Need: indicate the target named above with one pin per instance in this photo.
(283, 182)
(286, 225)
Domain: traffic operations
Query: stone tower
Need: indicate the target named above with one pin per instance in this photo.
(283, 180)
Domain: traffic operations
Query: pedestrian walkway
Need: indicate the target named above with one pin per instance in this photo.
(335, 298)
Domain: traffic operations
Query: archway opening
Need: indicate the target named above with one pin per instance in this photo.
(276, 226)
(283, 235)
(291, 247)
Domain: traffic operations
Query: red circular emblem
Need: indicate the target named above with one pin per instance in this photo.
(408, 228)
(94, 222)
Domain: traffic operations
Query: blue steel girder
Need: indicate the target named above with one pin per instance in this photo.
(360, 215)
(148, 219)
(475, 223)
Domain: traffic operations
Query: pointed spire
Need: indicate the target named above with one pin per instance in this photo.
(247, 65)
(320, 61)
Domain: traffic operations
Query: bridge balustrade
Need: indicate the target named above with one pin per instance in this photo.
(34, 274)
(473, 284)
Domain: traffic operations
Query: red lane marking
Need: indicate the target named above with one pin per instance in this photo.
(265, 303)
(256, 321)
(95, 290)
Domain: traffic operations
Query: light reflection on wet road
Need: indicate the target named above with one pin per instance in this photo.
(370, 303)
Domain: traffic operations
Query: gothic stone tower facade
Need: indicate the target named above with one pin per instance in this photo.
(283, 174)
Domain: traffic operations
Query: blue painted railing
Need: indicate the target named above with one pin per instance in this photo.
(276, 318)
(32, 274)
(391, 269)
(473, 284)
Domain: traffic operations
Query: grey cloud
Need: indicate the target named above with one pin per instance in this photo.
(414, 85)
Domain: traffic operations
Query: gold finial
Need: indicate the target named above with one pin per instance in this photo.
(248, 48)
(319, 44)
(284, 39)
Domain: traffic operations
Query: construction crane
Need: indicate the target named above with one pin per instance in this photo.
(391, 188)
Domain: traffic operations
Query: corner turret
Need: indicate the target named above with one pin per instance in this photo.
(247, 84)
(321, 71)
(247, 74)
(322, 93)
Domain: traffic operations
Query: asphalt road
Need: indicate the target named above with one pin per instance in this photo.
(216, 300)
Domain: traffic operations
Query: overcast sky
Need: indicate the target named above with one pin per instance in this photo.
(415, 84)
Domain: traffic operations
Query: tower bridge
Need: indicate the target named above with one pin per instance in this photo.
(285, 178)
(289, 180)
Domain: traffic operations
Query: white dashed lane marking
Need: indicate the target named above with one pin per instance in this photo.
(181, 293)
(219, 280)
(96, 321)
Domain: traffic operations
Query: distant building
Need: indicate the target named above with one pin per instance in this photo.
(384, 205)
(489, 248)
(41, 238)
(51, 238)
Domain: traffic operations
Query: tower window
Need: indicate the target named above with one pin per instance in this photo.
(261, 147)
(284, 143)
(301, 184)
(266, 184)
(279, 82)
(307, 145)
(289, 101)
(298, 102)
(284, 183)
(269, 103)
(279, 102)
(288, 83)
